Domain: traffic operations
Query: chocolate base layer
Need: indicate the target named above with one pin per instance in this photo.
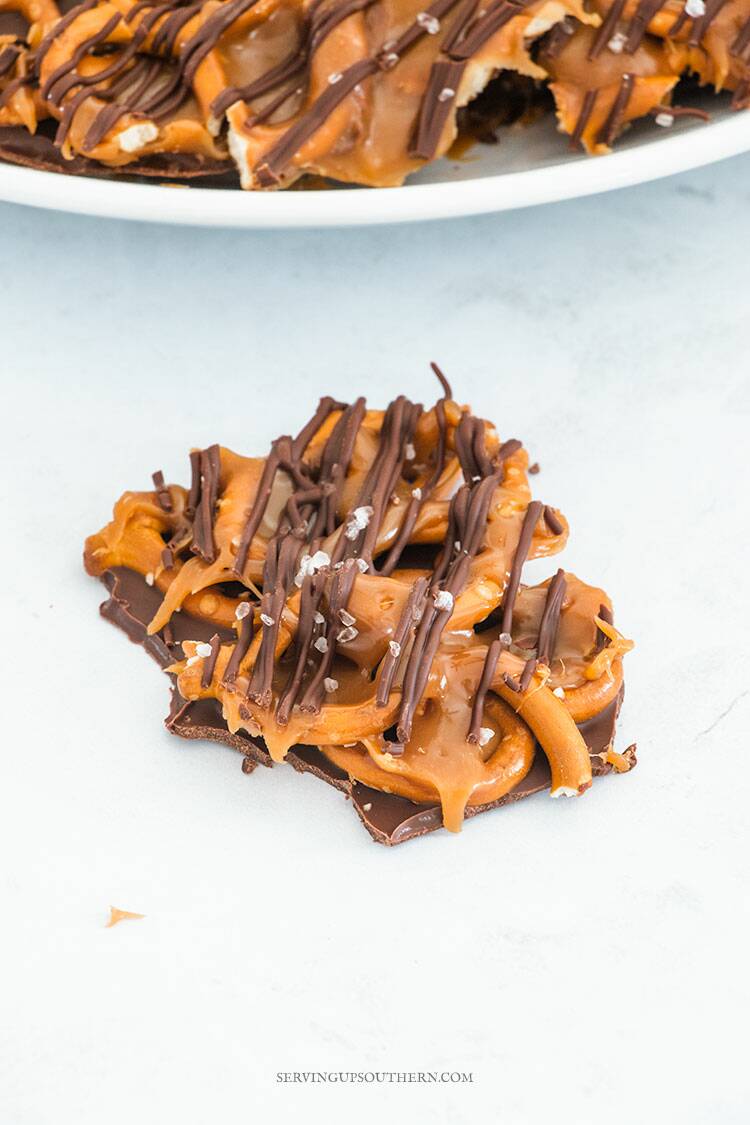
(388, 818)
(38, 151)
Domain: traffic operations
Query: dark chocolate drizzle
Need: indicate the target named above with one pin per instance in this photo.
(613, 124)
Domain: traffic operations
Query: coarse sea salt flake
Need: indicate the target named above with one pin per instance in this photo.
(321, 644)
(416, 493)
(409, 451)
(505, 638)
(363, 566)
(203, 650)
(267, 620)
(150, 578)
(485, 734)
(665, 120)
(319, 560)
(428, 23)
(191, 661)
(695, 8)
(446, 94)
(444, 599)
(395, 648)
(330, 684)
(346, 618)
(319, 619)
(617, 42)
(358, 521)
(242, 610)
(347, 634)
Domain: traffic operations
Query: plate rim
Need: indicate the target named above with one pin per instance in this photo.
(230, 208)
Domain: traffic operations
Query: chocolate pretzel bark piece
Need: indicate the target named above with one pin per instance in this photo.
(388, 818)
(39, 152)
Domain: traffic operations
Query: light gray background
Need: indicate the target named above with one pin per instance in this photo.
(586, 960)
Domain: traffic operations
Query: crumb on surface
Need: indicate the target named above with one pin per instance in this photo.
(116, 915)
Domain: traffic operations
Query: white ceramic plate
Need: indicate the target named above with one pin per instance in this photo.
(529, 166)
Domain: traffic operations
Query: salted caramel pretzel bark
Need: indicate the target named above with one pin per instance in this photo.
(364, 584)
(605, 78)
(359, 91)
(363, 91)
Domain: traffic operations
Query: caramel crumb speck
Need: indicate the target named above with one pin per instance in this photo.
(116, 915)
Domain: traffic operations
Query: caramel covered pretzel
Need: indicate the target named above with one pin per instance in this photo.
(20, 102)
(108, 74)
(627, 68)
(370, 571)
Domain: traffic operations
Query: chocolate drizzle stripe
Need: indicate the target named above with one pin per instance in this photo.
(742, 42)
(550, 620)
(341, 588)
(485, 26)
(602, 640)
(289, 68)
(257, 511)
(165, 37)
(587, 108)
(441, 378)
(194, 51)
(463, 20)
(279, 155)
(613, 124)
(244, 640)
(470, 507)
(606, 30)
(741, 95)
(315, 32)
(48, 91)
(203, 526)
(528, 673)
(308, 631)
(8, 56)
(552, 520)
(416, 503)
(62, 25)
(438, 102)
(701, 25)
(531, 519)
(681, 111)
(13, 87)
(488, 672)
(410, 618)
(163, 496)
(507, 449)
(209, 664)
(639, 22)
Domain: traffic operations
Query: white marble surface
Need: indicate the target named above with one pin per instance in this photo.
(585, 960)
